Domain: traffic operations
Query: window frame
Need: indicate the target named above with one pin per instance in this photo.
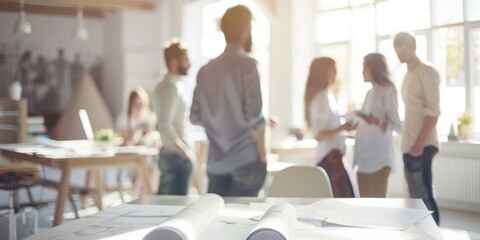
(429, 33)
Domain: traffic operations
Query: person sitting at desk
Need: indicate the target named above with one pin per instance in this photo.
(137, 126)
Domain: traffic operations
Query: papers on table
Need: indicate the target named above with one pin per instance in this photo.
(45, 147)
(328, 211)
(210, 219)
(331, 213)
(122, 222)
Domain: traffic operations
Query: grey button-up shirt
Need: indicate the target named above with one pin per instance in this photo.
(227, 102)
(172, 112)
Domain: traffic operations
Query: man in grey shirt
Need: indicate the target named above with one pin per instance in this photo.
(227, 102)
(176, 154)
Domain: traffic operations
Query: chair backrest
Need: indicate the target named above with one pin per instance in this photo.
(13, 121)
(301, 182)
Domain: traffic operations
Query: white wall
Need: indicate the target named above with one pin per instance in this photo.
(290, 57)
(113, 68)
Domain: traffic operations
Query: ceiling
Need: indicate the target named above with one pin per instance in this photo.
(91, 8)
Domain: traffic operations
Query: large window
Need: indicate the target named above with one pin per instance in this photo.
(443, 29)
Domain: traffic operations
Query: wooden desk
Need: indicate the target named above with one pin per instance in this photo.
(66, 162)
(426, 227)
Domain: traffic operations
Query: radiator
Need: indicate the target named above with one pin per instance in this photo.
(457, 178)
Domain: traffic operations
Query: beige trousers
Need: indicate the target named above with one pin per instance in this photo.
(374, 185)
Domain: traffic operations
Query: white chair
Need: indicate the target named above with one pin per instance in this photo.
(301, 182)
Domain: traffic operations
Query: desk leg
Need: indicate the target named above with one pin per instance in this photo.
(62, 194)
(88, 179)
(143, 169)
(98, 189)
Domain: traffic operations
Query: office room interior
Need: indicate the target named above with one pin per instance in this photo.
(111, 47)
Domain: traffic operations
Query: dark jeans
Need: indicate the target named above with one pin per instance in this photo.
(175, 173)
(418, 172)
(333, 165)
(244, 181)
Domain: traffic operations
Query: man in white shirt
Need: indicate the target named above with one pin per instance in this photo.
(176, 154)
(227, 102)
(420, 93)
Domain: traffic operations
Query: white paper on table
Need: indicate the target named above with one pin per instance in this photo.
(361, 216)
(189, 223)
(278, 223)
(121, 222)
(234, 222)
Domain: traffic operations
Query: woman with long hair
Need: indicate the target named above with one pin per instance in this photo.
(137, 125)
(374, 150)
(324, 123)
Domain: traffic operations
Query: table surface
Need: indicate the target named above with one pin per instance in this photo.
(68, 155)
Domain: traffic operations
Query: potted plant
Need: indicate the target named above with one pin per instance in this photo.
(464, 122)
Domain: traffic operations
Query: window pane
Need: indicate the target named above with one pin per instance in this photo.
(363, 43)
(473, 10)
(339, 54)
(476, 103)
(448, 11)
(402, 15)
(451, 55)
(333, 26)
(452, 52)
(359, 2)
(329, 4)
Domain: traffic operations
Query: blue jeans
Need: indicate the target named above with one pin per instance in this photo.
(175, 173)
(418, 172)
(245, 181)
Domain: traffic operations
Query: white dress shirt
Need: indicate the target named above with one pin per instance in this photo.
(172, 112)
(324, 116)
(374, 148)
(420, 92)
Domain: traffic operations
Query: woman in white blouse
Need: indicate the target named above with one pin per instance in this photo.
(324, 122)
(374, 151)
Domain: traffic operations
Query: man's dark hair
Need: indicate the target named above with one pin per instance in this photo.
(173, 49)
(404, 38)
(234, 20)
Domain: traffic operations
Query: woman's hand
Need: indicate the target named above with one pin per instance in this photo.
(349, 126)
(370, 119)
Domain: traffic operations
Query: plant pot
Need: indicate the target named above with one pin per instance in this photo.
(463, 131)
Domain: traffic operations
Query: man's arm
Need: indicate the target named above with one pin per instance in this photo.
(253, 109)
(195, 115)
(428, 127)
(168, 100)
